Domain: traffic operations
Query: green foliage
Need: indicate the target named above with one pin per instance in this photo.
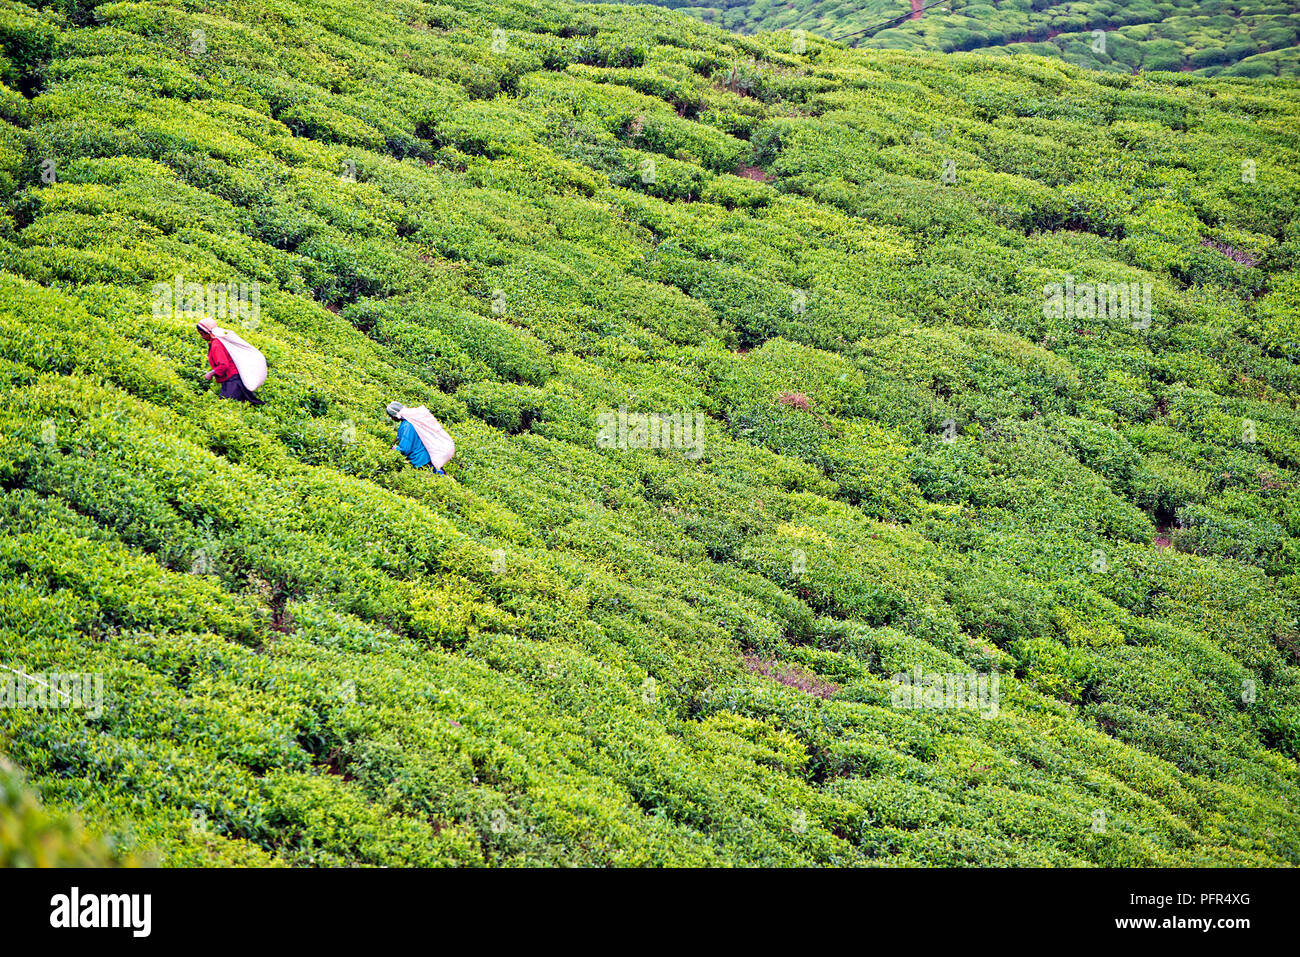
(31, 836)
(535, 217)
(1250, 38)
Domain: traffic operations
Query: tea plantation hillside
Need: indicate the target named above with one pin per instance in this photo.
(931, 446)
(1229, 37)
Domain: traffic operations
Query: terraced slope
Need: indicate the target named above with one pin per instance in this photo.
(914, 459)
(1209, 37)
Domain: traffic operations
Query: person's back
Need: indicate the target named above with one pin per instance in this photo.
(421, 438)
(409, 444)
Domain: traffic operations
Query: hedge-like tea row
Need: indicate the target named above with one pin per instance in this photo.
(1244, 38)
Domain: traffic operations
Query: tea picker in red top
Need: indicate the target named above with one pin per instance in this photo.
(238, 366)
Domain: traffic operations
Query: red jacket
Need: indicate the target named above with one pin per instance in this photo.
(223, 367)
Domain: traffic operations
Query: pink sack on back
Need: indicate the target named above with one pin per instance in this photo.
(248, 360)
(439, 445)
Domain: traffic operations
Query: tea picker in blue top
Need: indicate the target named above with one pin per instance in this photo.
(421, 437)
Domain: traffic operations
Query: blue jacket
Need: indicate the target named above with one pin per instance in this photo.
(409, 444)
